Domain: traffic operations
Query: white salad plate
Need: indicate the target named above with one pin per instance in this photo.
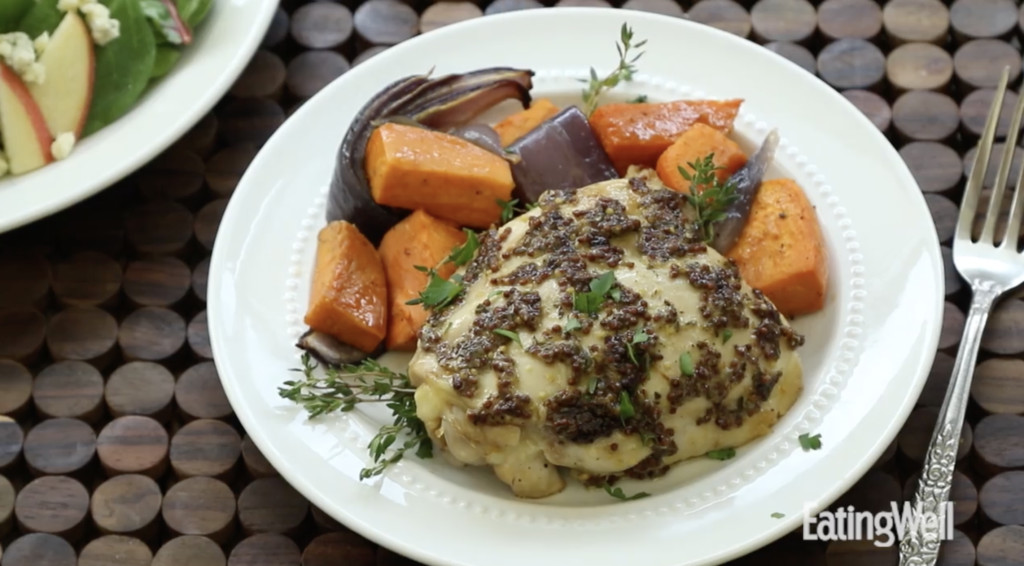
(866, 358)
(224, 43)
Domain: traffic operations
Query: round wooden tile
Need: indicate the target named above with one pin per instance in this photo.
(1002, 546)
(663, 7)
(993, 165)
(963, 494)
(387, 557)
(974, 111)
(368, 53)
(225, 168)
(783, 20)
(24, 280)
(957, 552)
(87, 279)
(11, 441)
(342, 546)
(22, 331)
(7, 495)
(56, 505)
(1004, 333)
(255, 462)
(151, 334)
(874, 492)
(321, 25)
(926, 116)
(851, 63)
(936, 167)
(201, 137)
(159, 228)
(860, 553)
(205, 447)
(313, 70)
(997, 444)
(385, 22)
(952, 326)
(133, 445)
(583, 4)
(158, 281)
(440, 14)
(200, 506)
(1001, 498)
(278, 30)
(725, 15)
(199, 277)
(191, 550)
(15, 389)
(208, 221)
(127, 505)
(199, 336)
(953, 281)
(263, 76)
(265, 549)
(935, 387)
(919, 66)
(796, 53)
(998, 385)
(140, 388)
(917, 433)
(972, 19)
(39, 549)
(944, 214)
(59, 446)
(249, 120)
(199, 393)
(858, 19)
(875, 108)
(270, 505)
(323, 521)
(115, 549)
(82, 333)
(979, 63)
(71, 389)
(176, 174)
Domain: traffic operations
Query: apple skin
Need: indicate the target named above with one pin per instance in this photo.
(25, 135)
(65, 95)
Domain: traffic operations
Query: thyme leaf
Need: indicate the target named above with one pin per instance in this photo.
(596, 86)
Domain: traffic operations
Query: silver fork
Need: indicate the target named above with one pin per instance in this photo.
(991, 270)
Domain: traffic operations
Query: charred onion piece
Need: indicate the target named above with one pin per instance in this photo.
(747, 181)
(561, 153)
(480, 135)
(442, 103)
(329, 350)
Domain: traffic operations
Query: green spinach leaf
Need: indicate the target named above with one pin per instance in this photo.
(164, 26)
(43, 16)
(166, 57)
(192, 12)
(123, 66)
(11, 13)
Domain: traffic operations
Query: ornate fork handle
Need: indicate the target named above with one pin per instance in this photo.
(920, 547)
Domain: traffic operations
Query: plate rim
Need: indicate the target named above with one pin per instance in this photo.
(930, 341)
(251, 19)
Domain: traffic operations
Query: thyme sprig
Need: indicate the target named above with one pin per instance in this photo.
(709, 197)
(341, 389)
(596, 86)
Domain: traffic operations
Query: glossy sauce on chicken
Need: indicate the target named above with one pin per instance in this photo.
(599, 333)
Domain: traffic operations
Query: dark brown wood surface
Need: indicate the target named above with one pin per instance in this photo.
(118, 444)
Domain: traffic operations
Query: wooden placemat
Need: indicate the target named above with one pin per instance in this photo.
(117, 445)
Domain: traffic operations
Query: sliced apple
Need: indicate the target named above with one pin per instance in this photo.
(65, 95)
(26, 137)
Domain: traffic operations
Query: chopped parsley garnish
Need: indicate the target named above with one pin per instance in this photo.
(686, 364)
(513, 336)
(722, 454)
(709, 197)
(639, 337)
(808, 442)
(590, 302)
(726, 335)
(617, 493)
(508, 209)
(777, 515)
(639, 99)
(572, 324)
(626, 410)
(622, 73)
(464, 254)
(341, 389)
(439, 291)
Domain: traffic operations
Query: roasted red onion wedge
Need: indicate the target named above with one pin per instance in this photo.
(747, 180)
(561, 153)
(441, 103)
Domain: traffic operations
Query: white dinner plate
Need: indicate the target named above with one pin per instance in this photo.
(224, 43)
(866, 358)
